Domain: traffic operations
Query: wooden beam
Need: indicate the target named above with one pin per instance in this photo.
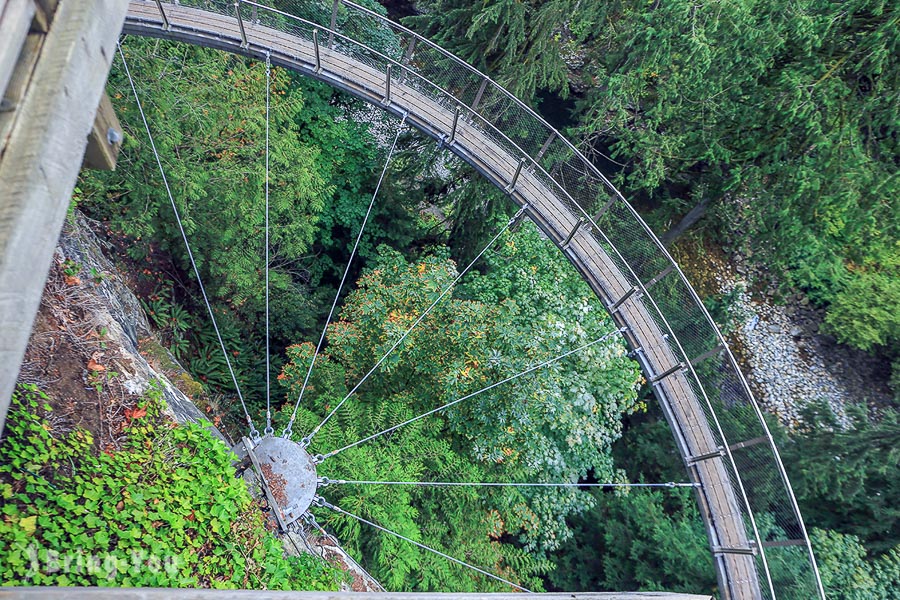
(39, 163)
(43, 13)
(15, 21)
(18, 85)
(105, 140)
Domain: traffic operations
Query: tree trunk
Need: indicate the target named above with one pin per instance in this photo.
(686, 222)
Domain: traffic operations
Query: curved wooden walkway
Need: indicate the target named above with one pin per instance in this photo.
(735, 545)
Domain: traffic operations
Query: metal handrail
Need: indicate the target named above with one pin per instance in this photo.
(660, 246)
(551, 135)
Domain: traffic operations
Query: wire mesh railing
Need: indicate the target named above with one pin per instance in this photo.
(768, 509)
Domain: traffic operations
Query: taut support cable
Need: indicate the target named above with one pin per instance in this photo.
(268, 430)
(254, 434)
(287, 430)
(325, 481)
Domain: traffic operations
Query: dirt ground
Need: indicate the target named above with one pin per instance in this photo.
(68, 358)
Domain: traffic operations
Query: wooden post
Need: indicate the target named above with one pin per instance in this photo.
(40, 161)
(105, 140)
(15, 20)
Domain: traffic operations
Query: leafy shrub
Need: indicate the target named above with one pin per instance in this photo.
(163, 511)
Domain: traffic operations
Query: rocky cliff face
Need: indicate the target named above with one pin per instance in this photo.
(92, 345)
(94, 352)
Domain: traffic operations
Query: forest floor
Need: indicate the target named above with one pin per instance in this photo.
(778, 340)
(68, 358)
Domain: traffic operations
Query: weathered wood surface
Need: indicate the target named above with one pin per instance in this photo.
(40, 161)
(719, 501)
(105, 140)
(15, 20)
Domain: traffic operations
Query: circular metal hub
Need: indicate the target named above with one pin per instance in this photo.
(290, 476)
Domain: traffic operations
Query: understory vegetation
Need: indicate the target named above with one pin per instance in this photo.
(844, 482)
(161, 511)
(760, 127)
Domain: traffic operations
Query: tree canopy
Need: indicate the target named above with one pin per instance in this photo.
(554, 424)
(777, 119)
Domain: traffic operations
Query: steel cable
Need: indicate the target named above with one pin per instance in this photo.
(254, 433)
(288, 430)
(670, 484)
(268, 430)
(339, 510)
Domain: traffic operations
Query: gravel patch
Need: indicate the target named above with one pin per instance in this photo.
(786, 371)
(788, 361)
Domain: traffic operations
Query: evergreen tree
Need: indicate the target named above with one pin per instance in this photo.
(783, 116)
(847, 479)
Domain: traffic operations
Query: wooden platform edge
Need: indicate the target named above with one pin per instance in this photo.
(40, 163)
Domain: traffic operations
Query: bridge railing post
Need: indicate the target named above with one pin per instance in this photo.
(237, 10)
(162, 13)
(452, 137)
(316, 49)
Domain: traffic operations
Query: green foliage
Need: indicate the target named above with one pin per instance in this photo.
(847, 479)
(210, 137)
(848, 575)
(163, 511)
(864, 312)
(478, 210)
(207, 112)
(782, 115)
(656, 540)
(457, 521)
(171, 319)
(519, 42)
(639, 539)
(788, 106)
(845, 572)
(210, 140)
(653, 541)
(555, 424)
(355, 166)
(548, 305)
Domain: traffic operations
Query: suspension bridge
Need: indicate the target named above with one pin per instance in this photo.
(730, 457)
